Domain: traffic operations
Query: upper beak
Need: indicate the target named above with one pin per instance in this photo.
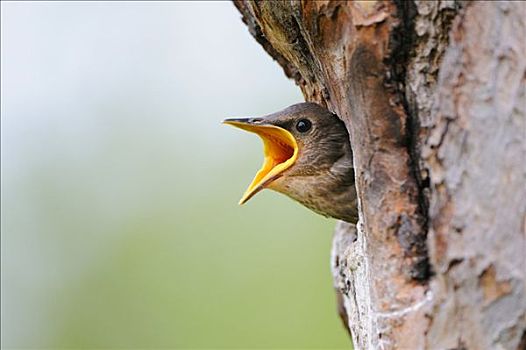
(279, 148)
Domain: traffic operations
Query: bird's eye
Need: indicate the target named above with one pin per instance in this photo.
(303, 125)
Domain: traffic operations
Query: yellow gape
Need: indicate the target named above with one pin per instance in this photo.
(279, 148)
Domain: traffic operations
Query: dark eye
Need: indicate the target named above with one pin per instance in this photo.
(303, 125)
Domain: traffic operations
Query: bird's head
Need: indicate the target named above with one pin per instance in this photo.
(302, 140)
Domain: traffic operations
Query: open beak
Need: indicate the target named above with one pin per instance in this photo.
(279, 148)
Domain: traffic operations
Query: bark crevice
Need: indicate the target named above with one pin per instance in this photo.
(402, 45)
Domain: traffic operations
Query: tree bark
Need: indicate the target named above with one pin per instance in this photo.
(433, 95)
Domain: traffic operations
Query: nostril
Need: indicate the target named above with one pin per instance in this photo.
(256, 120)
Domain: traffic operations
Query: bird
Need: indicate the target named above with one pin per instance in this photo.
(307, 157)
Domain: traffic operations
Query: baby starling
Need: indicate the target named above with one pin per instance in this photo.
(308, 157)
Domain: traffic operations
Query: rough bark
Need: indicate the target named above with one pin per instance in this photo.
(433, 96)
(476, 156)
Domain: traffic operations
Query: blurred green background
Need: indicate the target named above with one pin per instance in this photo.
(120, 223)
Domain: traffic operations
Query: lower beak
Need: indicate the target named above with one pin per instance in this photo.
(279, 148)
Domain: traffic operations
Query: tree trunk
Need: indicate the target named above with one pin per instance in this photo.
(433, 95)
